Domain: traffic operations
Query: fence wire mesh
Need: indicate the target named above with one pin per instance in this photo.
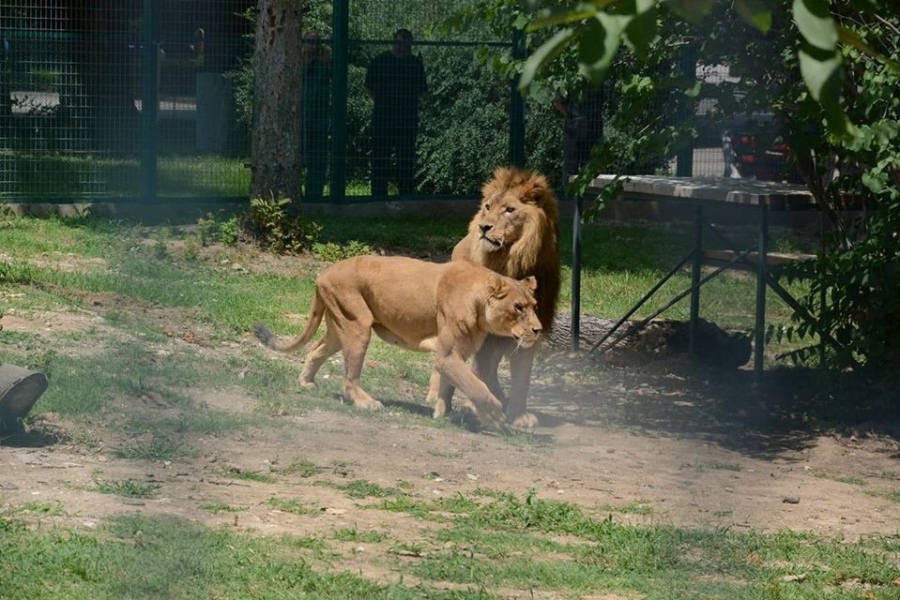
(153, 99)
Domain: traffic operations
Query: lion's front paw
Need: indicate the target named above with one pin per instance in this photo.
(524, 422)
(307, 384)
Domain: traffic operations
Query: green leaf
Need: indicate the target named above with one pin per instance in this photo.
(544, 54)
(851, 38)
(822, 74)
(561, 15)
(641, 31)
(815, 23)
(691, 10)
(599, 40)
(756, 13)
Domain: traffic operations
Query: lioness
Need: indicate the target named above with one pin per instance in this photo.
(515, 233)
(447, 308)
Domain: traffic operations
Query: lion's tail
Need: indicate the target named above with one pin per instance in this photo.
(270, 340)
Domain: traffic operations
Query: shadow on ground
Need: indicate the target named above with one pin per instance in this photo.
(782, 409)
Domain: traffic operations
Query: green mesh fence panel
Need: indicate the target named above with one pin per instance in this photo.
(121, 99)
(152, 100)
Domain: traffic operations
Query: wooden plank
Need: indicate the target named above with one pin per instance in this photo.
(749, 262)
(750, 192)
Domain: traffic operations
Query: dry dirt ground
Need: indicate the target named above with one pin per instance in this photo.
(660, 442)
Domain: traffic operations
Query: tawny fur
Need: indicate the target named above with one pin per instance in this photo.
(448, 309)
(534, 250)
(515, 232)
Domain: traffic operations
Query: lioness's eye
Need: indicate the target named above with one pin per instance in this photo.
(510, 209)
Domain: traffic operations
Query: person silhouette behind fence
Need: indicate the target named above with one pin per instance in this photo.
(396, 82)
(316, 60)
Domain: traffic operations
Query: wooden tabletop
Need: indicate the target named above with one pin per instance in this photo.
(750, 192)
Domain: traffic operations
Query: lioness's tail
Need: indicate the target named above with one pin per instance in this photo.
(270, 340)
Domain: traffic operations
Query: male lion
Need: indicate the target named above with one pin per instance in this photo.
(448, 308)
(515, 233)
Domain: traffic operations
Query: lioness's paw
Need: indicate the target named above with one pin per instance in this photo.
(524, 422)
(307, 384)
(440, 409)
(492, 418)
(370, 404)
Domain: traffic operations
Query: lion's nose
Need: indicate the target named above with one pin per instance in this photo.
(484, 229)
(537, 330)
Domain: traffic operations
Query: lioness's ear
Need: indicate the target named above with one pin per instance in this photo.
(497, 288)
(531, 282)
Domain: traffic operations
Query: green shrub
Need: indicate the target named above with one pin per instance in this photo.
(271, 224)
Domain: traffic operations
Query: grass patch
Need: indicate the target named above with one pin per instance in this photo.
(249, 476)
(303, 468)
(631, 508)
(128, 488)
(892, 495)
(352, 534)
(219, 507)
(491, 542)
(48, 509)
(290, 505)
(360, 489)
(157, 448)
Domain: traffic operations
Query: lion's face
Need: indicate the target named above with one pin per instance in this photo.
(511, 311)
(500, 221)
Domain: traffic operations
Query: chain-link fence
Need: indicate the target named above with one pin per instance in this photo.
(153, 100)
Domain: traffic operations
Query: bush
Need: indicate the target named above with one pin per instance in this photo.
(270, 224)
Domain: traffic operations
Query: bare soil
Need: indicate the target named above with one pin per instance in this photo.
(658, 441)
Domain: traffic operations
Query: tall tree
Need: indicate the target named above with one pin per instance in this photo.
(275, 143)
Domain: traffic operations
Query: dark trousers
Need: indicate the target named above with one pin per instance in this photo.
(394, 154)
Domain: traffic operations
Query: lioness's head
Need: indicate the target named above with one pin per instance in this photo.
(511, 308)
(516, 204)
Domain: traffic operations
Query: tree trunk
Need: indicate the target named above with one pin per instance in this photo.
(275, 147)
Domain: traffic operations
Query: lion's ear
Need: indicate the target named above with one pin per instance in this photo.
(538, 190)
(531, 282)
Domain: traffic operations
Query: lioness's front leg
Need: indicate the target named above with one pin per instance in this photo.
(456, 373)
(487, 362)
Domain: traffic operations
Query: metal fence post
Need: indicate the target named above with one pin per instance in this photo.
(517, 108)
(340, 42)
(684, 166)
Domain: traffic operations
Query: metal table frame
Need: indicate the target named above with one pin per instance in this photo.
(758, 197)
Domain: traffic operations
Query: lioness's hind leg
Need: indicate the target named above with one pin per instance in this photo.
(317, 355)
(440, 392)
(354, 338)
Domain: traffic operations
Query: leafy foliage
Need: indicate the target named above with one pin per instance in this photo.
(828, 75)
(270, 223)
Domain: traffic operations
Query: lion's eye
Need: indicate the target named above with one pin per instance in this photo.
(487, 208)
(520, 308)
(510, 209)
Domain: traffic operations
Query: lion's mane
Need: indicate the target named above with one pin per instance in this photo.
(535, 250)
